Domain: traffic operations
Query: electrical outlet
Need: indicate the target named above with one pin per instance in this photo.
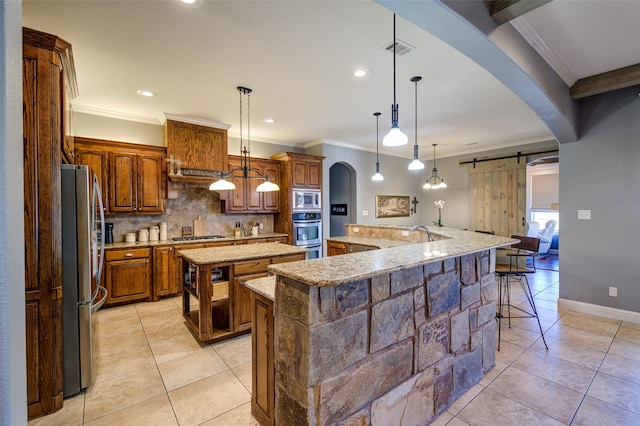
(613, 291)
(356, 230)
(365, 212)
(405, 233)
(261, 225)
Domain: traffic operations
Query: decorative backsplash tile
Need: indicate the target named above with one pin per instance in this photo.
(182, 211)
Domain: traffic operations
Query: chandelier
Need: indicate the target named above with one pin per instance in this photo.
(245, 170)
(435, 181)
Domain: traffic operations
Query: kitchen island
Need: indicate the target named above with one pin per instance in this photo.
(387, 336)
(211, 280)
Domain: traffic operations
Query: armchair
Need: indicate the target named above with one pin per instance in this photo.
(533, 229)
(545, 236)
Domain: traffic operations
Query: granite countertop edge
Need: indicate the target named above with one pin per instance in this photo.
(336, 270)
(230, 254)
(265, 286)
(161, 243)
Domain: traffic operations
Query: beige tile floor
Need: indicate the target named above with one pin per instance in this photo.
(151, 371)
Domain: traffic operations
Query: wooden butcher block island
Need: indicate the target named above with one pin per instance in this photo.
(215, 304)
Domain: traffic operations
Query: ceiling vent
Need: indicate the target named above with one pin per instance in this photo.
(402, 48)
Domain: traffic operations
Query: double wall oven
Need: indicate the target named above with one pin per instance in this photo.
(307, 221)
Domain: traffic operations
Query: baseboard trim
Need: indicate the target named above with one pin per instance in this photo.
(603, 311)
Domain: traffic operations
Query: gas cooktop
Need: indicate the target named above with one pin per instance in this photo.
(202, 237)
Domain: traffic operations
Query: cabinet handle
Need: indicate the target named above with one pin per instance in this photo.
(128, 255)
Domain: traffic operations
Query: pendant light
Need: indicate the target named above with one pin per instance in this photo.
(416, 164)
(245, 168)
(435, 181)
(395, 137)
(377, 176)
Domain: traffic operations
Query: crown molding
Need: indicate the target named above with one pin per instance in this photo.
(537, 41)
(114, 114)
(193, 120)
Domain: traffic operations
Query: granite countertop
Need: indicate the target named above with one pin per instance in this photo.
(265, 286)
(228, 254)
(138, 244)
(370, 241)
(335, 270)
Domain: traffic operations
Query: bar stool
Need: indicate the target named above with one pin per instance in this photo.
(525, 250)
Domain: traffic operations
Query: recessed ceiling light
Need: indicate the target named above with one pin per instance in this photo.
(361, 72)
(188, 1)
(146, 93)
(269, 120)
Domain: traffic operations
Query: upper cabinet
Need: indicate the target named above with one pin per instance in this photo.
(245, 198)
(200, 149)
(301, 170)
(132, 176)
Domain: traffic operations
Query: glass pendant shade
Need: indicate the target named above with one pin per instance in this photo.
(416, 164)
(222, 185)
(267, 186)
(395, 137)
(377, 176)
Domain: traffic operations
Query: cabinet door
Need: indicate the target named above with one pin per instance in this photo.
(150, 192)
(235, 198)
(199, 147)
(123, 187)
(299, 174)
(314, 175)
(336, 249)
(128, 280)
(242, 301)
(96, 159)
(165, 282)
(271, 200)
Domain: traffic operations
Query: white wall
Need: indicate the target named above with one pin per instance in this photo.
(13, 391)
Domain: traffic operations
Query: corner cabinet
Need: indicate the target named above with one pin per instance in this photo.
(47, 76)
(245, 198)
(132, 176)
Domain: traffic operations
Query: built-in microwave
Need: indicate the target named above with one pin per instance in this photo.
(306, 200)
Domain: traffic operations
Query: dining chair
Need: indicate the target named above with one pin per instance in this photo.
(521, 262)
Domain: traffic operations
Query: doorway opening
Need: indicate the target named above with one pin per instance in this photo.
(543, 202)
(342, 198)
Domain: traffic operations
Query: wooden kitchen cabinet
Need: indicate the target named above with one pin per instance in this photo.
(335, 248)
(245, 198)
(136, 183)
(262, 367)
(198, 147)
(244, 271)
(132, 176)
(128, 275)
(165, 282)
(47, 76)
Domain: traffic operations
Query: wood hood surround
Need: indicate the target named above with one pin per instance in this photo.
(201, 149)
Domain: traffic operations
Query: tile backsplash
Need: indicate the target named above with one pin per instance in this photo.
(182, 211)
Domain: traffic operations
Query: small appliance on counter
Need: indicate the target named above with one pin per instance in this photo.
(108, 239)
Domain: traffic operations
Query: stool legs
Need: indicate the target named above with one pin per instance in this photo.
(504, 300)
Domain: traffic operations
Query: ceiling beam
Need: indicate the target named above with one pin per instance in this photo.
(503, 11)
(606, 82)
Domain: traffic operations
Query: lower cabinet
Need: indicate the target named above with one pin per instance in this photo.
(334, 248)
(262, 367)
(128, 275)
(165, 282)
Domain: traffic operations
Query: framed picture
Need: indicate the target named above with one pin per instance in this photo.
(392, 205)
(339, 209)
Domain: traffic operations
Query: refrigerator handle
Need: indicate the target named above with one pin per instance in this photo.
(97, 196)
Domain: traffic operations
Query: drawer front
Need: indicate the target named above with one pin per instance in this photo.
(289, 258)
(137, 253)
(251, 267)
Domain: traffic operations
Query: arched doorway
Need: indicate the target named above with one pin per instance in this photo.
(342, 198)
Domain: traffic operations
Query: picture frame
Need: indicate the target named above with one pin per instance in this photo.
(393, 206)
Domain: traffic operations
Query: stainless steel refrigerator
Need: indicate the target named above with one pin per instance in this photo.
(82, 261)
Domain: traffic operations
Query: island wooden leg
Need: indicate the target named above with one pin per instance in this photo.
(262, 367)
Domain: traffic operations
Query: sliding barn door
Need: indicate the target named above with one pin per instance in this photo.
(497, 196)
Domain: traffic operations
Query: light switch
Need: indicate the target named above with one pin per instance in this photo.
(355, 230)
(365, 212)
(584, 214)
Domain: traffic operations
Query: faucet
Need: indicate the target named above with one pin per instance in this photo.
(416, 227)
